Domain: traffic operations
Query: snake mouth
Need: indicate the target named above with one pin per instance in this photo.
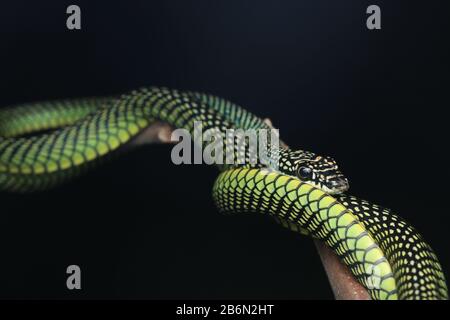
(337, 186)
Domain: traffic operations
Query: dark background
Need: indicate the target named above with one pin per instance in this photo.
(141, 227)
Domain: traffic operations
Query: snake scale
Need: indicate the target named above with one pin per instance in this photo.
(45, 144)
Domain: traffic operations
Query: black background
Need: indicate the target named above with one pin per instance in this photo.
(141, 227)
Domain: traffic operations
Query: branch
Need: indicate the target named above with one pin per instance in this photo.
(343, 284)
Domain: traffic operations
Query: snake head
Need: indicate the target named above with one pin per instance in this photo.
(321, 172)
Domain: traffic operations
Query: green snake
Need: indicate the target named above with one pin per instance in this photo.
(43, 145)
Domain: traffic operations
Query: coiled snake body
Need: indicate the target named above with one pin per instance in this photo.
(385, 253)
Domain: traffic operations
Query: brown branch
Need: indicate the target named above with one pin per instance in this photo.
(343, 284)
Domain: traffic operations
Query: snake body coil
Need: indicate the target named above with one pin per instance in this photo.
(384, 252)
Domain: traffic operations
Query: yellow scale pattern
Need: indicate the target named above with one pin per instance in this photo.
(264, 191)
(416, 267)
(40, 162)
(373, 248)
(383, 252)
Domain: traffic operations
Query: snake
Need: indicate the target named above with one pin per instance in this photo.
(46, 144)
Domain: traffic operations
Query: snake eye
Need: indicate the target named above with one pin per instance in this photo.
(305, 173)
